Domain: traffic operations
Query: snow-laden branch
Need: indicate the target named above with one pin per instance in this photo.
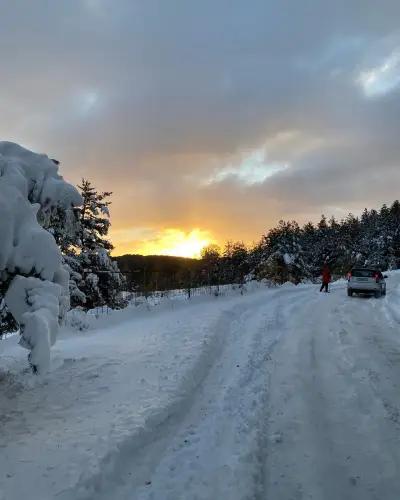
(30, 260)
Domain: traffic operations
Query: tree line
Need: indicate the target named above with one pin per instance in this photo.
(147, 274)
(287, 252)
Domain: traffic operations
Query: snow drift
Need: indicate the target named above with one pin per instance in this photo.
(31, 268)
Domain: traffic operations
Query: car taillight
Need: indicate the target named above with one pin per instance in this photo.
(349, 275)
(376, 276)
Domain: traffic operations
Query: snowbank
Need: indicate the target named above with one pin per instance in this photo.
(140, 306)
(30, 185)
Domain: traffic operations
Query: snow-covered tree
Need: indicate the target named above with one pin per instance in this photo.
(96, 279)
(33, 279)
(283, 254)
(288, 252)
(94, 218)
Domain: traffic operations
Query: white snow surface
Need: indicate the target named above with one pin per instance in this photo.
(29, 182)
(282, 393)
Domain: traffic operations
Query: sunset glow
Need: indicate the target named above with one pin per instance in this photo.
(176, 242)
(204, 138)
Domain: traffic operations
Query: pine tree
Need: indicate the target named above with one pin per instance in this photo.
(394, 229)
(94, 218)
(284, 258)
(82, 235)
(101, 282)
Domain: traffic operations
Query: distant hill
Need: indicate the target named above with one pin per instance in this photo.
(159, 272)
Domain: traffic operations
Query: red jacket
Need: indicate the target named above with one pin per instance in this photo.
(326, 275)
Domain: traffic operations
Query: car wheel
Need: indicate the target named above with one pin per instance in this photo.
(349, 292)
(378, 293)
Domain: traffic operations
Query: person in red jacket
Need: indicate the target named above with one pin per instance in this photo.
(326, 278)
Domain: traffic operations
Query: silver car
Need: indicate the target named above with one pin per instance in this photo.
(366, 280)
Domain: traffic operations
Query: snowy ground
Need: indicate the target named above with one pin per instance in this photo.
(278, 394)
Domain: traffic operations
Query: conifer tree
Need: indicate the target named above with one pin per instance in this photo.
(101, 281)
(94, 218)
(82, 236)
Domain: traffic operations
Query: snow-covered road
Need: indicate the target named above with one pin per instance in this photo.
(334, 402)
(279, 394)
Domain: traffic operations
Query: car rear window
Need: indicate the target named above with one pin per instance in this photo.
(363, 273)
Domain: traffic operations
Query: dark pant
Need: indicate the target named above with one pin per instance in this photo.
(324, 285)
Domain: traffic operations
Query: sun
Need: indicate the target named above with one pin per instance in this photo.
(183, 244)
(176, 242)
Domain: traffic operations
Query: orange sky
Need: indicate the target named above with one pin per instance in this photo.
(209, 123)
(169, 241)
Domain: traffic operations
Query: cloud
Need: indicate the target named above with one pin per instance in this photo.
(214, 115)
(383, 78)
(253, 168)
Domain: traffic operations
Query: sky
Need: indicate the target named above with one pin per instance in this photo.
(209, 120)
